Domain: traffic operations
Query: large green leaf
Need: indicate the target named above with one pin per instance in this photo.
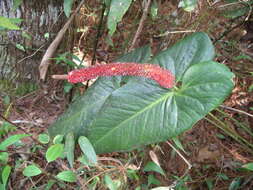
(193, 49)
(137, 111)
(83, 111)
(117, 10)
(145, 113)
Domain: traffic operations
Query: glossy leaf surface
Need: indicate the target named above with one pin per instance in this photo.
(69, 148)
(67, 7)
(67, 176)
(87, 149)
(123, 113)
(43, 138)
(5, 174)
(11, 140)
(153, 167)
(54, 152)
(248, 166)
(117, 10)
(31, 170)
(188, 5)
(84, 110)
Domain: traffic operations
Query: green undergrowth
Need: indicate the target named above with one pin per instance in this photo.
(16, 89)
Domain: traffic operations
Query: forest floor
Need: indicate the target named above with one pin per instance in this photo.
(215, 148)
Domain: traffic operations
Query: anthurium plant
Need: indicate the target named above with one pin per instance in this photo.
(160, 99)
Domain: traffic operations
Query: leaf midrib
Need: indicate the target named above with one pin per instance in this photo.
(145, 108)
(135, 115)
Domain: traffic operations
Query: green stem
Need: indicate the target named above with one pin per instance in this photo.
(231, 133)
(247, 129)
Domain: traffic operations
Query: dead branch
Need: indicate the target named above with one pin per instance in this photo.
(53, 46)
(140, 27)
(60, 77)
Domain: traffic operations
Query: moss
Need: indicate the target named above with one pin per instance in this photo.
(14, 89)
(6, 87)
(25, 88)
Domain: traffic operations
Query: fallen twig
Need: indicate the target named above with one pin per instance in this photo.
(140, 27)
(236, 110)
(24, 121)
(174, 32)
(53, 46)
(60, 77)
(184, 159)
(228, 31)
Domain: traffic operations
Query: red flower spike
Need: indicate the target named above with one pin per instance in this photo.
(162, 76)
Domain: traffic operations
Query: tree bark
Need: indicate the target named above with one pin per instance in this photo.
(38, 18)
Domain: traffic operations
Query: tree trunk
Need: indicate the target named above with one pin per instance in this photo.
(21, 51)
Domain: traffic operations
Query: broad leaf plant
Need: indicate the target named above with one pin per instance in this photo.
(121, 113)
